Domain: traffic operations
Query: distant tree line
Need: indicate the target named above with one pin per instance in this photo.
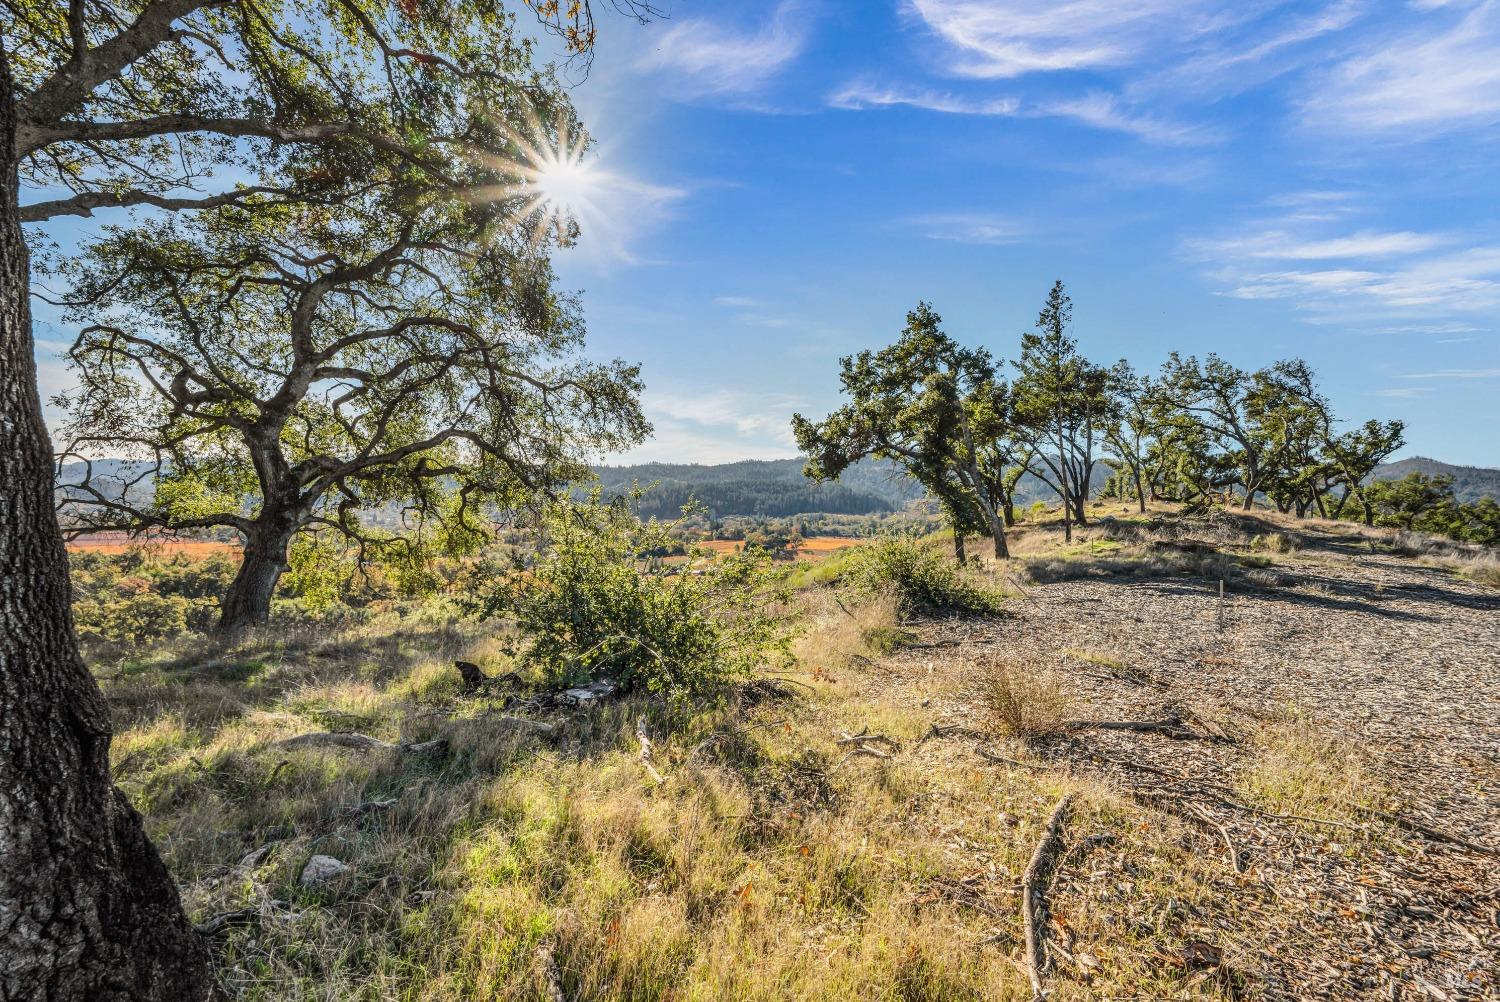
(1205, 432)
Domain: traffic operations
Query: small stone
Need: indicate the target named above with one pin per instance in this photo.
(588, 693)
(320, 870)
(255, 857)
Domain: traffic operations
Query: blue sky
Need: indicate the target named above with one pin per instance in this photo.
(774, 184)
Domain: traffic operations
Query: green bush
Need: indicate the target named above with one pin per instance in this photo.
(132, 618)
(922, 578)
(597, 604)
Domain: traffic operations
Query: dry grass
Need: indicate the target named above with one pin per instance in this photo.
(1300, 769)
(841, 631)
(765, 867)
(1022, 699)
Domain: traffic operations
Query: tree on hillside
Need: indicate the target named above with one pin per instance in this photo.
(1062, 400)
(925, 402)
(297, 366)
(1350, 457)
(1133, 421)
(1221, 399)
(103, 105)
(1404, 502)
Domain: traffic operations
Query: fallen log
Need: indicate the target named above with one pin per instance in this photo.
(865, 737)
(338, 739)
(645, 742)
(1433, 834)
(1034, 893)
(1174, 727)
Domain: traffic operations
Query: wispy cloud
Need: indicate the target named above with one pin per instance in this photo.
(858, 96)
(1277, 244)
(1456, 374)
(1099, 110)
(1375, 278)
(1007, 38)
(1105, 111)
(1424, 79)
(1241, 62)
(738, 302)
(967, 228)
(708, 58)
(1404, 392)
(716, 425)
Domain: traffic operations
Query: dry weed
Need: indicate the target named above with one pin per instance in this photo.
(1023, 699)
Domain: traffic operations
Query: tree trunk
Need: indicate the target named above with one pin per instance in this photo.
(87, 910)
(247, 603)
(1140, 489)
(1010, 509)
(959, 553)
(997, 533)
(1062, 485)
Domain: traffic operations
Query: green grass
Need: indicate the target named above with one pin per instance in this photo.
(764, 867)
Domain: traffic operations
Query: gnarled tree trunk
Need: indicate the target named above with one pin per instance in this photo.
(87, 910)
(247, 603)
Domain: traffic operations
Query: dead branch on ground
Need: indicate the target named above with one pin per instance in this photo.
(1034, 893)
(640, 735)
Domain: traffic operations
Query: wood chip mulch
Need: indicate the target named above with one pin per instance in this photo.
(1396, 659)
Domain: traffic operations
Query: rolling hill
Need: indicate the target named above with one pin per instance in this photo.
(1470, 483)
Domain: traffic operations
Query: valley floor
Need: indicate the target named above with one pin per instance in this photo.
(1271, 795)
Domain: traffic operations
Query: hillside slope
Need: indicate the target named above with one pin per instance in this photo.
(1470, 483)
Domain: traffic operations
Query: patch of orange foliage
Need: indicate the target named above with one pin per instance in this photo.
(827, 544)
(812, 548)
(116, 542)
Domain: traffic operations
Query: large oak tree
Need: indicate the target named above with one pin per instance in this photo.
(288, 369)
(926, 403)
(148, 103)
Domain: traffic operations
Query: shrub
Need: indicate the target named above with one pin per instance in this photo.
(1276, 542)
(597, 605)
(1486, 574)
(922, 578)
(132, 618)
(1024, 700)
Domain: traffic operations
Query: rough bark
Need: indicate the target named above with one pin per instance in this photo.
(997, 533)
(959, 554)
(87, 910)
(247, 602)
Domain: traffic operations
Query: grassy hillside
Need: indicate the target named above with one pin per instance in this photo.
(860, 827)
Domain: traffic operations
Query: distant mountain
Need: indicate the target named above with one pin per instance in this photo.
(1470, 483)
(769, 488)
(776, 487)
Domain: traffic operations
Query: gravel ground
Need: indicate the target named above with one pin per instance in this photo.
(1396, 659)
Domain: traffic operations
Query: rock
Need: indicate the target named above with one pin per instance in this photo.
(588, 693)
(436, 746)
(255, 857)
(320, 870)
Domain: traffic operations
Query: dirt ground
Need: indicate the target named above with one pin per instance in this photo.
(1377, 665)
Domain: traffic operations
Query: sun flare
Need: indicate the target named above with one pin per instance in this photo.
(565, 184)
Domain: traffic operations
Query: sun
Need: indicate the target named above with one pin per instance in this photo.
(565, 184)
